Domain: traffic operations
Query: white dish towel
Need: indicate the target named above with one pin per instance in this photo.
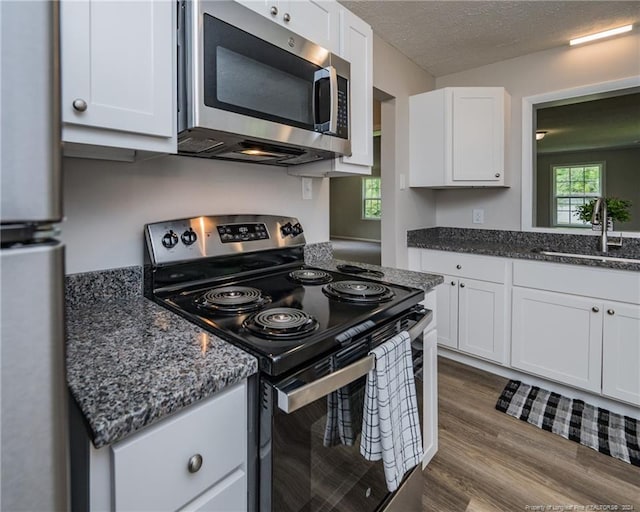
(391, 422)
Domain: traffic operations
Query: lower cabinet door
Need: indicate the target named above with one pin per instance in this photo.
(230, 495)
(168, 464)
(482, 319)
(621, 352)
(447, 312)
(557, 336)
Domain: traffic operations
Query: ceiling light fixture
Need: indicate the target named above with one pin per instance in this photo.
(600, 35)
(540, 135)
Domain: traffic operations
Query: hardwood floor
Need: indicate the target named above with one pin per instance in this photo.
(489, 461)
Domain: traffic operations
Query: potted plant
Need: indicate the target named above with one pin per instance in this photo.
(617, 210)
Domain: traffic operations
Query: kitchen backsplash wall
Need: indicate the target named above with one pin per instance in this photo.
(533, 74)
(106, 204)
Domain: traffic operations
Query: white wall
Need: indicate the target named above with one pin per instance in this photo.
(397, 76)
(536, 73)
(106, 204)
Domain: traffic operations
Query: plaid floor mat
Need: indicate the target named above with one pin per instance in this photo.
(607, 432)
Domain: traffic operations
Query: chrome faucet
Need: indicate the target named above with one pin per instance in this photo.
(599, 217)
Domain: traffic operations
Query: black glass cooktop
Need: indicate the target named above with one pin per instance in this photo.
(327, 321)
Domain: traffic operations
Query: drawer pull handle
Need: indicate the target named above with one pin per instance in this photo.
(461, 285)
(611, 312)
(453, 283)
(458, 267)
(595, 309)
(497, 175)
(273, 10)
(195, 463)
(286, 17)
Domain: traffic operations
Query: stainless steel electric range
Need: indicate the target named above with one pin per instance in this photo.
(243, 278)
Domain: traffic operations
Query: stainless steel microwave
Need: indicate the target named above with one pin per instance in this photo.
(251, 90)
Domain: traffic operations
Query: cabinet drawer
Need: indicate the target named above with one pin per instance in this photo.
(484, 268)
(150, 469)
(603, 283)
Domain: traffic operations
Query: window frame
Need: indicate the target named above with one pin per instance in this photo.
(364, 199)
(552, 202)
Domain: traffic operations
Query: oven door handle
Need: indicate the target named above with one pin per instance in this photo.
(293, 400)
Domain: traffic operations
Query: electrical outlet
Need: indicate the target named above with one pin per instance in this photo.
(478, 216)
(307, 188)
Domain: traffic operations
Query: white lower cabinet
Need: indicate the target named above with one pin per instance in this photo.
(195, 460)
(573, 324)
(621, 352)
(471, 303)
(557, 336)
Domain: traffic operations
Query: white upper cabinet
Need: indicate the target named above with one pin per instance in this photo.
(355, 46)
(314, 20)
(457, 137)
(118, 64)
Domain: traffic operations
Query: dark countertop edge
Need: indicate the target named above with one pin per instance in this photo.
(524, 253)
(412, 278)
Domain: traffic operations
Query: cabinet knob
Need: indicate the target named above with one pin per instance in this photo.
(453, 283)
(274, 10)
(286, 17)
(611, 312)
(595, 309)
(80, 105)
(458, 267)
(461, 285)
(195, 463)
(497, 175)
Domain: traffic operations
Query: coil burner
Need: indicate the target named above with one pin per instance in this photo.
(281, 323)
(361, 292)
(232, 299)
(310, 276)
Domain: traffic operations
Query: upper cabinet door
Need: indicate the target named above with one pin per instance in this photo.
(118, 66)
(478, 134)
(356, 46)
(315, 20)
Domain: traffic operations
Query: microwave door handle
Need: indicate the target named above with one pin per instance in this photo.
(304, 395)
(331, 126)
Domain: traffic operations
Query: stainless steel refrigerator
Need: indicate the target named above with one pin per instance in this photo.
(33, 407)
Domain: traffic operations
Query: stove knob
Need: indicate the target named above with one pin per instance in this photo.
(170, 239)
(189, 237)
(296, 229)
(286, 229)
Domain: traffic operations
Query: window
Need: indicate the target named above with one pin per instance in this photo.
(573, 186)
(371, 198)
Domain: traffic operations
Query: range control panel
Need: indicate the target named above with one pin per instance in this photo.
(242, 232)
(219, 235)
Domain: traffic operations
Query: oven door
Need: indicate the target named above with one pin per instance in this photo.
(310, 422)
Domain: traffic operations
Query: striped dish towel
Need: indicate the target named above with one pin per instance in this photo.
(391, 423)
(344, 415)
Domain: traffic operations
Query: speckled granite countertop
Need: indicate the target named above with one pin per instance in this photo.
(523, 245)
(131, 362)
(392, 275)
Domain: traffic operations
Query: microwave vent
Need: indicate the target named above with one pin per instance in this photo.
(197, 145)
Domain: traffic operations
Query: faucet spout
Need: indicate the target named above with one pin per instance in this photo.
(599, 217)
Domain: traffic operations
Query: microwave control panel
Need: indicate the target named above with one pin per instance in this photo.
(343, 108)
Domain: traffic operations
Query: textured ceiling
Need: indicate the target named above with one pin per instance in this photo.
(444, 37)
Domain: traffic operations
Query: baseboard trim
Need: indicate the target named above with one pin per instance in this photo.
(355, 239)
(568, 391)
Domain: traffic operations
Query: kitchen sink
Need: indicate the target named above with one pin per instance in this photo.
(587, 256)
